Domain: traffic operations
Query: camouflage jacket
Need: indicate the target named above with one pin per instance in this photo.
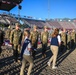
(44, 37)
(7, 33)
(73, 35)
(34, 37)
(16, 37)
(63, 36)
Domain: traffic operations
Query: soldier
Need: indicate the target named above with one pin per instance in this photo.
(1, 39)
(73, 35)
(72, 38)
(15, 40)
(34, 40)
(44, 40)
(69, 39)
(7, 33)
(64, 38)
(7, 36)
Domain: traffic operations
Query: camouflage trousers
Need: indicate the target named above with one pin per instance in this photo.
(44, 48)
(34, 49)
(16, 51)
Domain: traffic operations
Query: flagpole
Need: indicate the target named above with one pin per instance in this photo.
(18, 14)
(48, 9)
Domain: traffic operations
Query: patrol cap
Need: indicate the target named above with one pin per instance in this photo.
(45, 27)
(35, 26)
(17, 24)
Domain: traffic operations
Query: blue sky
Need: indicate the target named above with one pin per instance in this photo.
(39, 8)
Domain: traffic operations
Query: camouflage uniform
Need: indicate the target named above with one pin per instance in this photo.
(7, 33)
(34, 40)
(15, 39)
(63, 37)
(69, 40)
(73, 35)
(44, 40)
